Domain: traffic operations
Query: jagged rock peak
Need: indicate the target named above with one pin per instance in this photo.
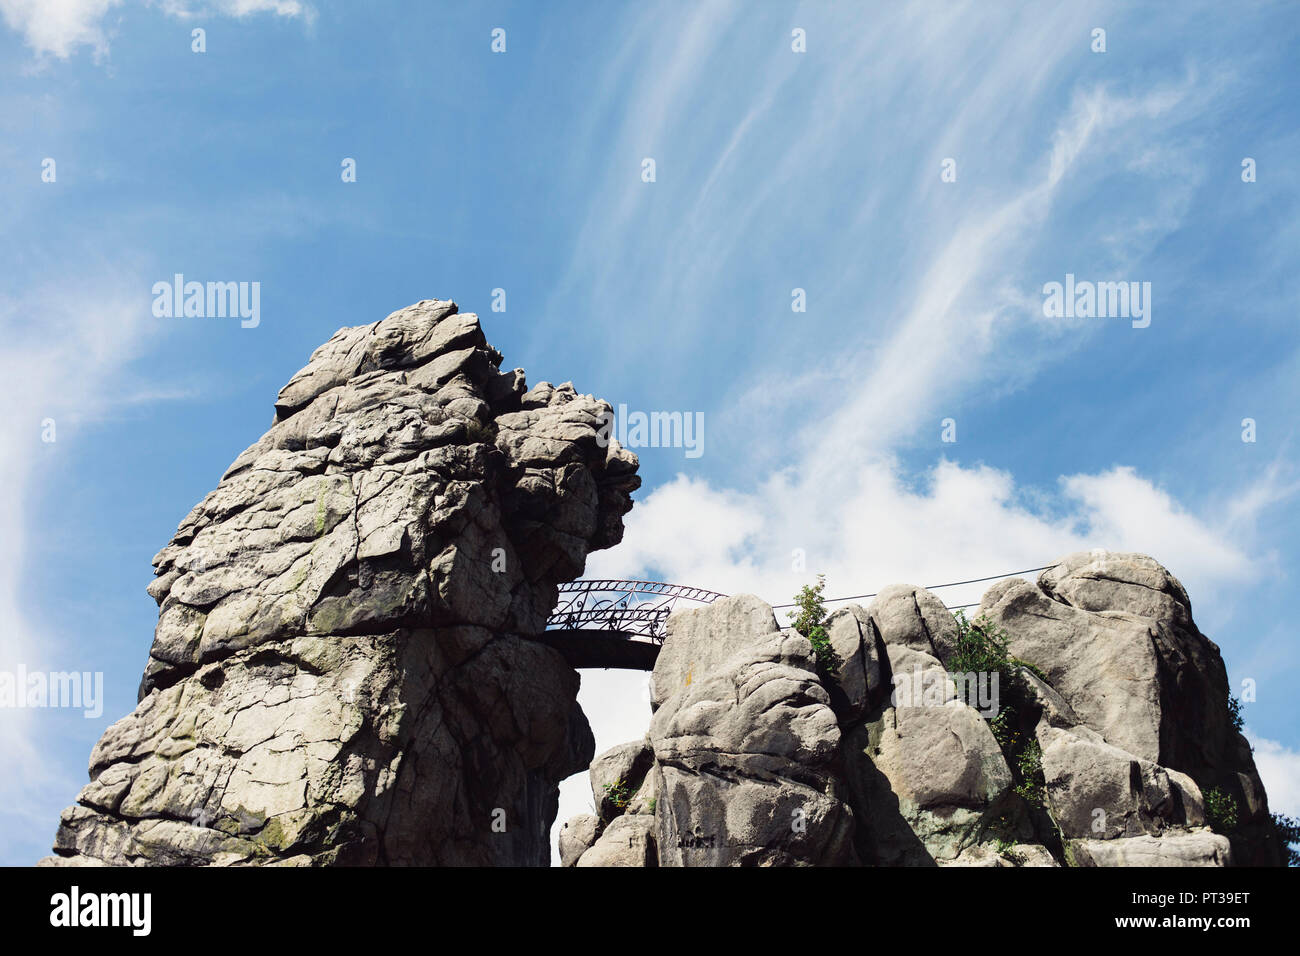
(341, 670)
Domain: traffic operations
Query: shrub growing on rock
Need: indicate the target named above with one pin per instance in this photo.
(982, 648)
(809, 619)
(1288, 836)
(1220, 810)
(1234, 713)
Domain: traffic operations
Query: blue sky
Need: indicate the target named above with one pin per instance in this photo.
(775, 170)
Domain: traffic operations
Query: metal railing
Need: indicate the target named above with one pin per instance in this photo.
(624, 608)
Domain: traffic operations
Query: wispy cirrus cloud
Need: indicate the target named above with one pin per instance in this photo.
(65, 362)
(922, 291)
(925, 295)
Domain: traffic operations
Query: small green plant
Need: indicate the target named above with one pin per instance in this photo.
(1287, 831)
(981, 647)
(1007, 848)
(1029, 763)
(651, 804)
(1220, 810)
(1004, 729)
(1234, 713)
(618, 794)
(809, 619)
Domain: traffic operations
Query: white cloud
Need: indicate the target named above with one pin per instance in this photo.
(866, 525)
(59, 27)
(872, 524)
(1279, 768)
(1128, 513)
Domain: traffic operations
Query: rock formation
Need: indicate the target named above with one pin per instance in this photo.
(345, 671)
(1135, 729)
(1109, 733)
(341, 672)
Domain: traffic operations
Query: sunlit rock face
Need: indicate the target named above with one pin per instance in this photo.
(344, 672)
(1140, 735)
(1109, 747)
(340, 672)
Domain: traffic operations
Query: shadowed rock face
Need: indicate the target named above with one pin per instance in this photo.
(336, 675)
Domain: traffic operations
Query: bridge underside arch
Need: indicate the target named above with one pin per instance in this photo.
(601, 648)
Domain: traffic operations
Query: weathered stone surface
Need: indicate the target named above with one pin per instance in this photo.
(748, 735)
(1102, 665)
(619, 770)
(337, 674)
(913, 617)
(927, 775)
(1114, 636)
(700, 639)
(341, 672)
(1112, 581)
(990, 855)
(1189, 849)
(939, 756)
(1150, 684)
(1098, 791)
(627, 841)
(576, 837)
(744, 753)
(646, 797)
(859, 683)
